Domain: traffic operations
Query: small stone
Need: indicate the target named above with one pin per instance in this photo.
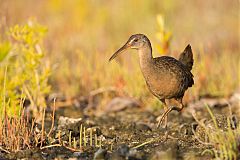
(72, 158)
(100, 154)
(133, 154)
(120, 103)
(143, 127)
(162, 155)
(77, 154)
(63, 122)
(123, 150)
(121, 153)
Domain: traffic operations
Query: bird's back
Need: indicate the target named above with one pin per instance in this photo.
(169, 78)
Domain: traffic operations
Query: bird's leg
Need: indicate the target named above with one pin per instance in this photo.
(160, 119)
(165, 114)
(166, 118)
(179, 100)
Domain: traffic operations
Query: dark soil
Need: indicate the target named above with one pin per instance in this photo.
(132, 134)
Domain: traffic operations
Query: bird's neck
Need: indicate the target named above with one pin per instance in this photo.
(145, 56)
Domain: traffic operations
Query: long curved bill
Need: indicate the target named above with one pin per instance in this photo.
(122, 49)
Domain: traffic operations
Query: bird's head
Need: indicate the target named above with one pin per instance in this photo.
(136, 41)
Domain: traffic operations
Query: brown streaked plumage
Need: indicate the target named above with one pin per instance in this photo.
(165, 76)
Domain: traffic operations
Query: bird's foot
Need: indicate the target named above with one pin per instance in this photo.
(164, 117)
(160, 122)
(165, 137)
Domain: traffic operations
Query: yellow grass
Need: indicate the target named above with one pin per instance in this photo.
(82, 35)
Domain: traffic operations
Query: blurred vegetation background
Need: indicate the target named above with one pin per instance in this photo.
(83, 34)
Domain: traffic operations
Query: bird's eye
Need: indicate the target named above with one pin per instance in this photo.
(135, 40)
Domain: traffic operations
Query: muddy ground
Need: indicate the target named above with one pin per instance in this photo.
(130, 132)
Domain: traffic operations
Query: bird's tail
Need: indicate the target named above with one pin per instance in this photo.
(186, 57)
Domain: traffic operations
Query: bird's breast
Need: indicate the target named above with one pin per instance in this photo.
(161, 83)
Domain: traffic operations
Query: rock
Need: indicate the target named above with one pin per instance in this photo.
(67, 125)
(167, 151)
(124, 152)
(133, 154)
(77, 154)
(120, 103)
(100, 154)
(64, 122)
(142, 127)
(167, 155)
(121, 153)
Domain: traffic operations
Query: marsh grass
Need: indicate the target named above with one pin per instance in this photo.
(16, 133)
(224, 144)
(20, 133)
(86, 139)
(23, 71)
(215, 73)
(81, 43)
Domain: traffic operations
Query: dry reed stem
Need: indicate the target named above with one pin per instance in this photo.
(70, 139)
(84, 137)
(4, 150)
(96, 143)
(43, 120)
(91, 133)
(51, 146)
(80, 137)
(53, 117)
(147, 142)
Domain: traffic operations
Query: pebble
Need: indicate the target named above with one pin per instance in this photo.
(120, 103)
(142, 127)
(100, 154)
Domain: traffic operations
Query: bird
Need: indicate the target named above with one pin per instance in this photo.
(165, 76)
